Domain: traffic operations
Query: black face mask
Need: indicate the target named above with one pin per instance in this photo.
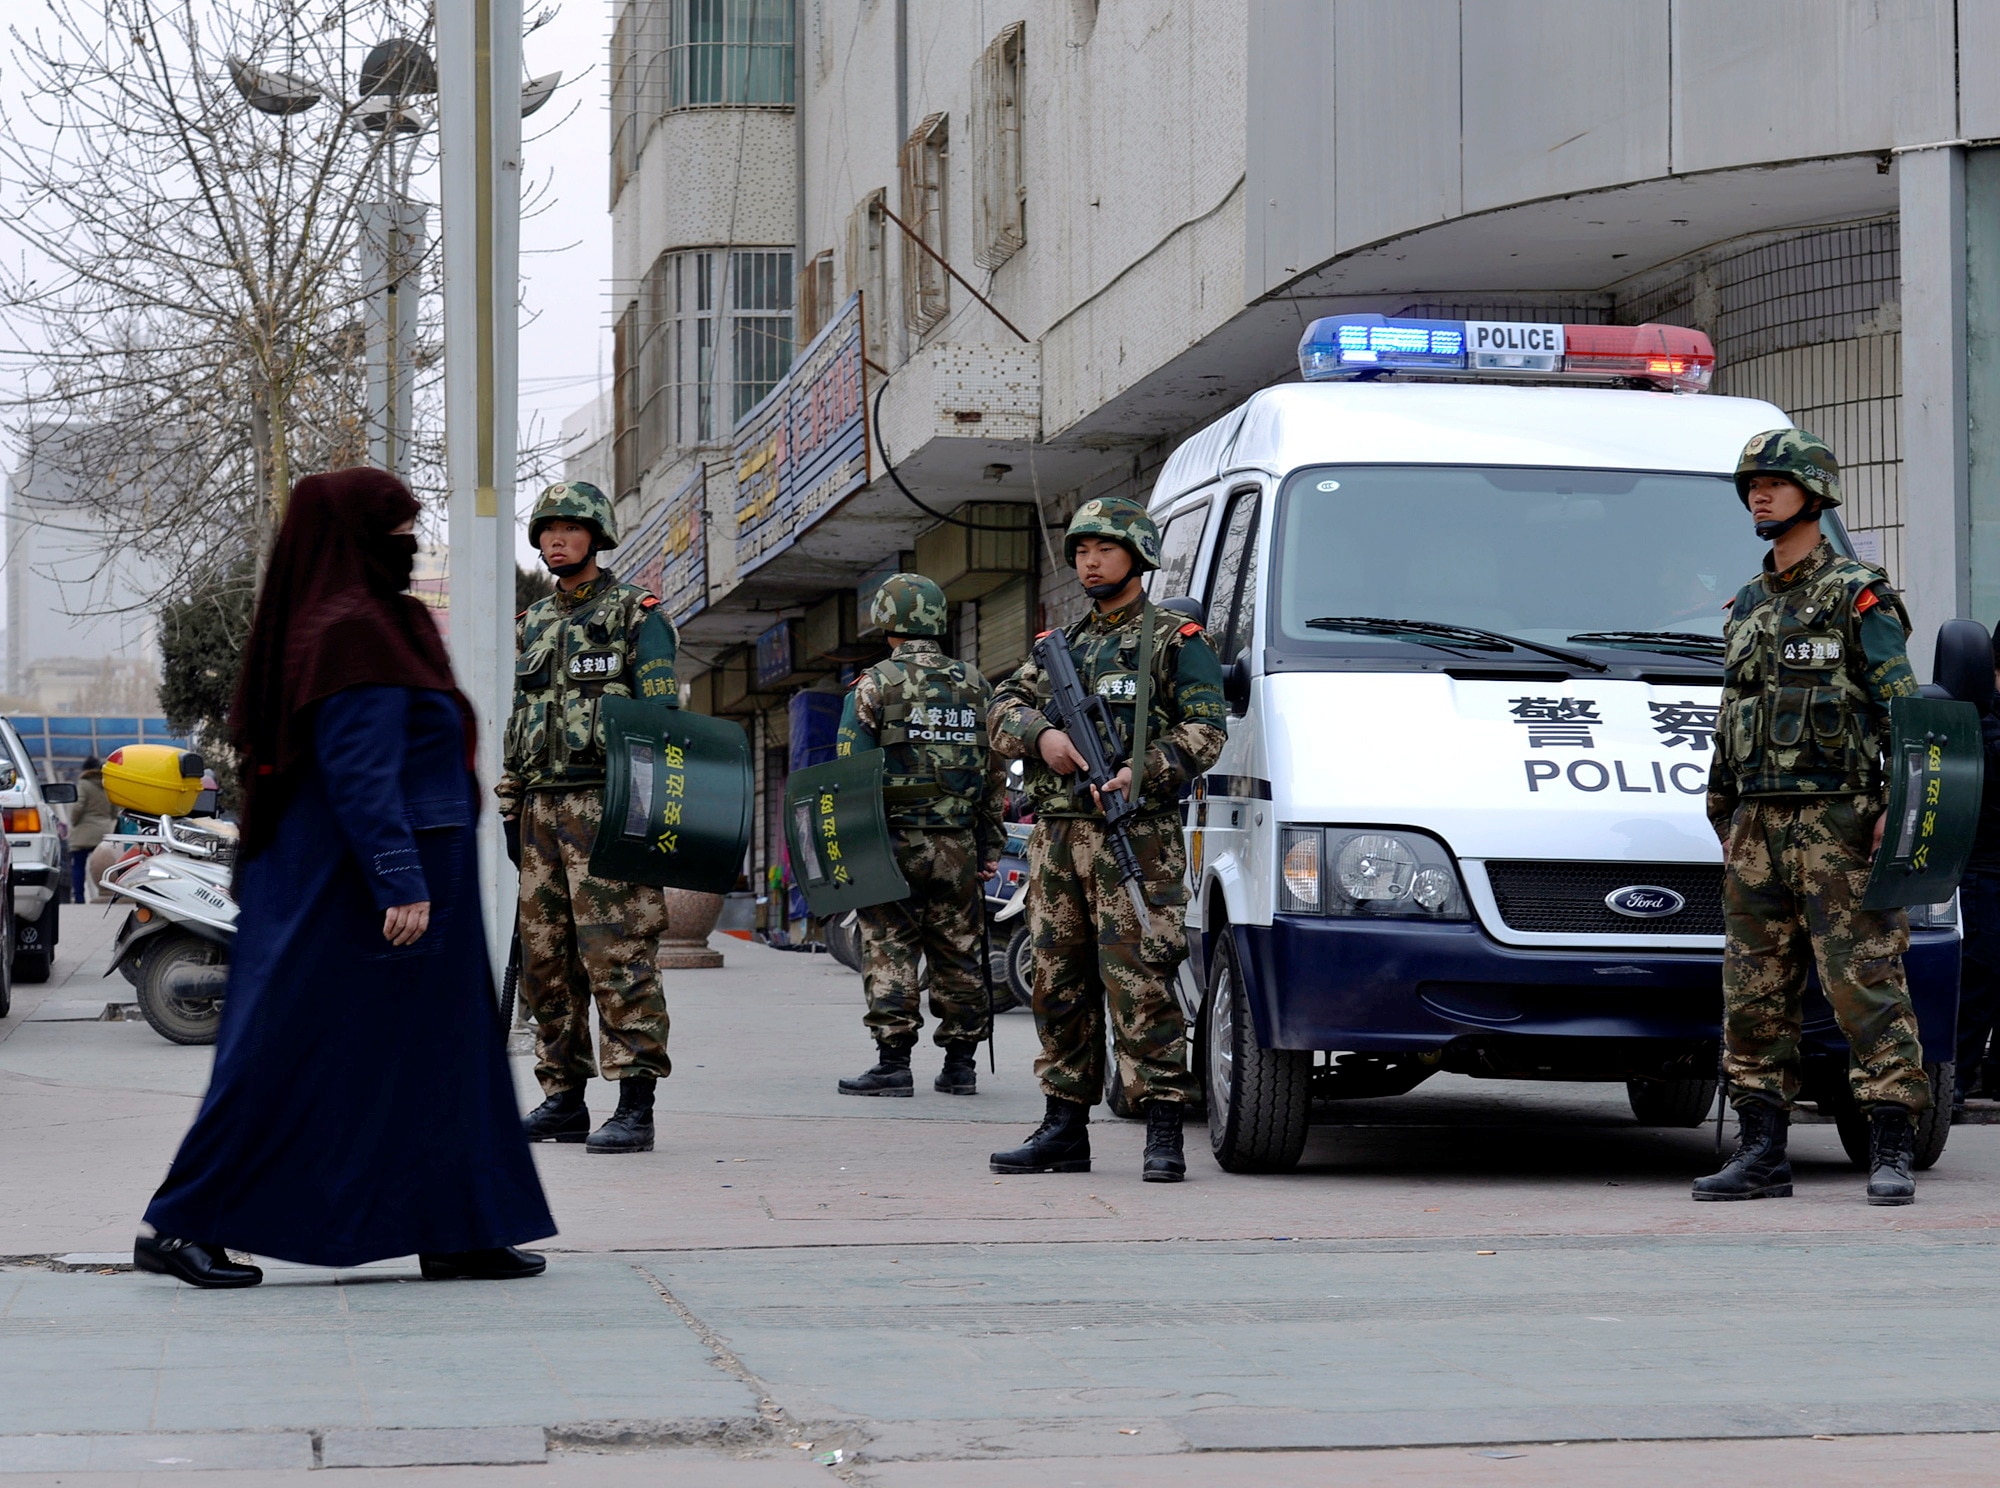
(390, 557)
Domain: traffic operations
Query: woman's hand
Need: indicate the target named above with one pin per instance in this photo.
(405, 924)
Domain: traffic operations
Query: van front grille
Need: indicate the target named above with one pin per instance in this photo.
(1568, 898)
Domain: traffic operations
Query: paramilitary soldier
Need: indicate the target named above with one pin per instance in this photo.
(943, 791)
(583, 938)
(1090, 950)
(1815, 651)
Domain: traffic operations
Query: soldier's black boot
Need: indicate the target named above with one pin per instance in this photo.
(960, 1075)
(1760, 1169)
(1061, 1144)
(630, 1128)
(1892, 1142)
(563, 1117)
(1165, 1162)
(890, 1075)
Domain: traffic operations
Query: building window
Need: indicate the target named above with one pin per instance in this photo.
(760, 303)
(926, 158)
(687, 367)
(729, 54)
(624, 403)
(999, 202)
(626, 72)
(868, 271)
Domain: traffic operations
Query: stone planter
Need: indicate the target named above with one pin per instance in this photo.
(690, 918)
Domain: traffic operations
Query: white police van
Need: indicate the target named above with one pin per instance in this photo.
(1470, 634)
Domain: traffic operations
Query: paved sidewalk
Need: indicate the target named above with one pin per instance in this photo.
(1472, 1265)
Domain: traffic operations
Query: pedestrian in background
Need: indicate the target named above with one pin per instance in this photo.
(942, 793)
(361, 1105)
(1979, 906)
(584, 940)
(90, 820)
(1798, 805)
(1095, 956)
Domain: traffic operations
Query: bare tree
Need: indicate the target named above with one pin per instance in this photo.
(188, 295)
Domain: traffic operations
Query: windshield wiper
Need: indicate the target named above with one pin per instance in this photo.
(1435, 631)
(1692, 642)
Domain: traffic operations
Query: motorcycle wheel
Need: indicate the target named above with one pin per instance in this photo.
(179, 1020)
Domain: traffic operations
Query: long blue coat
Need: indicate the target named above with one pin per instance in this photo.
(360, 1105)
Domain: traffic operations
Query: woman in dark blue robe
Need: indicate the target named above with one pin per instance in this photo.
(361, 1105)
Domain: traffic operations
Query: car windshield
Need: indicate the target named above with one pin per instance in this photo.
(1387, 559)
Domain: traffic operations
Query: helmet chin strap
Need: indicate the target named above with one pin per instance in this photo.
(1771, 531)
(571, 570)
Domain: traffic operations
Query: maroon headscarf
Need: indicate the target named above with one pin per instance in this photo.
(333, 614)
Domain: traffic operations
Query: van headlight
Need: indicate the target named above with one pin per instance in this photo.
(1940, 916)
(1366, 872)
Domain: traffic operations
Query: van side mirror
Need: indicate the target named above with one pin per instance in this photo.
(59, 793)
(1236, 684)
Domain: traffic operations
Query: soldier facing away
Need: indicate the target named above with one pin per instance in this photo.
(1091, 952)
(943, 792)
(1815, 651)
(583, 938)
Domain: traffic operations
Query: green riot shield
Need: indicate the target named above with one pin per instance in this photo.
(677, 798)
(1937, 769)
(842, 855)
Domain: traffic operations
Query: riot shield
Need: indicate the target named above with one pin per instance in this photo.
(842, 855)
(1937, 769)
(678, 792)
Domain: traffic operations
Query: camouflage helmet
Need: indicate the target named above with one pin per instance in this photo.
(1799, 457)
(1123, 521)
(908, 604)
(579, 502)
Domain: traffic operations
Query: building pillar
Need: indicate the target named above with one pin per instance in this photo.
(1982, 382)
(1936, 576)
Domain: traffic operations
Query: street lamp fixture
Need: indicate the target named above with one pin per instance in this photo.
(272, 92)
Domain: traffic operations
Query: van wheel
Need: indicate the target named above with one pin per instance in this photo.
(179, 1020)
(1686, 1102)
(1020, 974)
(1259, 1100)
(1933, 1126)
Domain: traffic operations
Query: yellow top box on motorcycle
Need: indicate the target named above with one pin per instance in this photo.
(153, 779)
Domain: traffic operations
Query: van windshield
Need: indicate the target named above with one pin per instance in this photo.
(1589, 560)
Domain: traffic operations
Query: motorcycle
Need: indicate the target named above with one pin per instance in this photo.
(174, 945)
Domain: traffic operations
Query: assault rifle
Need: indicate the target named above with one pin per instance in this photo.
(1087, 720)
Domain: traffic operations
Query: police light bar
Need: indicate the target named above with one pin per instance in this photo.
(1670, 358)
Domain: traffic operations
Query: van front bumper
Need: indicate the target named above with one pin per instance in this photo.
(1389, 986)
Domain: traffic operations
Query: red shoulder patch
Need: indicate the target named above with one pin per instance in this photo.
(1868, 600)
(522, 615)
(1043, 634)
(1729, 601)
(649, 603)
(1192, 628)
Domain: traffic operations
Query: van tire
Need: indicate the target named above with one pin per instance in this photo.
(1932, 1126)
(1259, 1100)
(1686, 1102)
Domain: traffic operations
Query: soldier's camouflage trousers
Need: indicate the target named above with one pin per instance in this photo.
(586, 939)
(1092, 954)
(937, 924)
(1794, 873)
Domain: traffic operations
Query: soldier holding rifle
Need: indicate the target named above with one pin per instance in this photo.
(1107, 843)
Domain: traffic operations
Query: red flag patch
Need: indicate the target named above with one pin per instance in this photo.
(1868, 600)
(1192, 628)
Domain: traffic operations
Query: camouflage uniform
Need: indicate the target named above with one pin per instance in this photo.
(583, 938)
(943, 797)
(1090, 951)
(1814, 655)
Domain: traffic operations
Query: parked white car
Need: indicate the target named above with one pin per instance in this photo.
(34, 843)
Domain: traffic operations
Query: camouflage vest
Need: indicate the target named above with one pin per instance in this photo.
(933, 731)
(1796, 717)
(1107, 663)
(570, 656)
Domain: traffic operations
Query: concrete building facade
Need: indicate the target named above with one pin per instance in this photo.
(1079, 231)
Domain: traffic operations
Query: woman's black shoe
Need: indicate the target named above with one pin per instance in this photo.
(505, 1264)
(197, 1265)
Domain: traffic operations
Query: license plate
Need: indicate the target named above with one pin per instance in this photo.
(1514, 346)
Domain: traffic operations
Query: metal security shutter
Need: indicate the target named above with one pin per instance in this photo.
(1003, 628)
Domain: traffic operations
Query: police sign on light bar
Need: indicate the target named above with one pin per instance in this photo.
(1671, 358)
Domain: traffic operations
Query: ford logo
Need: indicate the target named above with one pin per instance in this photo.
(1644, 902)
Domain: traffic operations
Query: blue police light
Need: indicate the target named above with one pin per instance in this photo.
(1361, 345)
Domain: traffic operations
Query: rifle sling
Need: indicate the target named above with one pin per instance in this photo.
(1142, 707)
